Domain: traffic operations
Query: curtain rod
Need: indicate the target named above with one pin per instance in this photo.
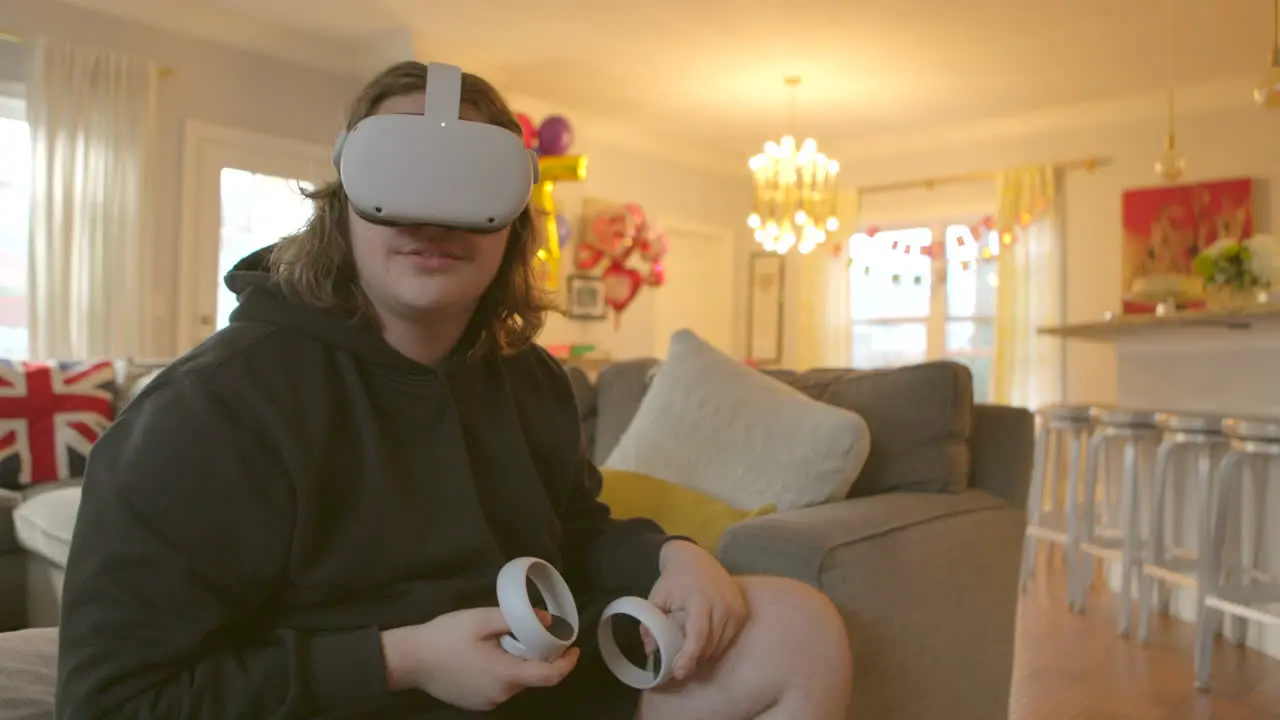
(1088, 164)
(8, 37)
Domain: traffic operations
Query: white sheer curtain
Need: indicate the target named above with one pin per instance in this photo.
(824, 329)
(1029, 368)
(92, 130)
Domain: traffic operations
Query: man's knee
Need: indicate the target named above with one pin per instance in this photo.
(796, 612)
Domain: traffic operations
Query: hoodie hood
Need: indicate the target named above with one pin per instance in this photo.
(261, 300)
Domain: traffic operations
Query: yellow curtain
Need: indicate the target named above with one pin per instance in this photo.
(819, 284)
(1028, 368)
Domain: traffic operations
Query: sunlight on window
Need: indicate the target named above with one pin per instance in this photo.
(897, 319)
(257, 210)
(971, 280)
(15, 213)
(887, 282)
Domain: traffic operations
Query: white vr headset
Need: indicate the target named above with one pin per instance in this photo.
(435, 168)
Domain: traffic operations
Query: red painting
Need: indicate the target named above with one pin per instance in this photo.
(1165, 227)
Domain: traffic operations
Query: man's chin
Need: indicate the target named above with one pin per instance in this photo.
(439, 301)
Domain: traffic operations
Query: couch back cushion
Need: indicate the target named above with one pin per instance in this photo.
(619, 389)
(920, 416)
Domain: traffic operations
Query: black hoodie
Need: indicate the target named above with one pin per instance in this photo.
(294, 485)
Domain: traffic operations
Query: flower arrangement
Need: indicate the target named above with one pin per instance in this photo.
(1238, 267)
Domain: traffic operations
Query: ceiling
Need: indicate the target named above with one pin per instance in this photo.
(709, 72)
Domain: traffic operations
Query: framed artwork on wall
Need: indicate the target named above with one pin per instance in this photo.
(584, 298)
(1165, 227)
(764, 309)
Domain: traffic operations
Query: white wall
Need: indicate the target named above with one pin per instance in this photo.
(1223, 138)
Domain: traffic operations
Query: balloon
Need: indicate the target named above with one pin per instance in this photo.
(528, 131)
(656, 275)
(654, 248)
(555, 136)
(621, 284)
(563, 228)
(562, 168)
(586, 257)
(611, 238)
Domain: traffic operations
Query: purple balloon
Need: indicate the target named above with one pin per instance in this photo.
(563, 229)
(555, 136)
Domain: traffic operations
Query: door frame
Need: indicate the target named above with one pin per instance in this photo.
(717, 235)
(206, 150)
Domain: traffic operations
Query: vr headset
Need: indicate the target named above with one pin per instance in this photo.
(435, 168)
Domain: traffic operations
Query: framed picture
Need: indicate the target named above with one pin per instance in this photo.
(764, 309)
(1166, 226)
(584, 298)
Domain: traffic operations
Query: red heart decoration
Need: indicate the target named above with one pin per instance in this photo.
(620, 286)
(586, 257)
(612, 237)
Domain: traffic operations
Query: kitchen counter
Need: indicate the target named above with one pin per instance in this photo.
(1175, 326)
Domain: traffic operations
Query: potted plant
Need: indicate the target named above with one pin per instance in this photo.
(1237, 274)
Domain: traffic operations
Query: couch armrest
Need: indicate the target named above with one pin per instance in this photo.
(927, 585)
(1002, 446)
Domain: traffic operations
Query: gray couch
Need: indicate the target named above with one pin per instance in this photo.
(922, 559)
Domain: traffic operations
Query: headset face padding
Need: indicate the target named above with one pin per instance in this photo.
(436, 168)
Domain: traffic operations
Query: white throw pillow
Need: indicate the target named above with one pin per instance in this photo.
(43, 524)
(714, 424)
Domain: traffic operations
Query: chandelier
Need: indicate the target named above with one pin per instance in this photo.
(795, 192)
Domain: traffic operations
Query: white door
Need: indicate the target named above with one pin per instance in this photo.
(241, 191)
(698, 292)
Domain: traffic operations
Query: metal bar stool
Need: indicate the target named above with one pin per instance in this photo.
(1058, 427)
(1133, 431)
(1239, 592)
(1195, 437)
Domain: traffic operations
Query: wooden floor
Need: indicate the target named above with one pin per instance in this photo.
(1076, 666)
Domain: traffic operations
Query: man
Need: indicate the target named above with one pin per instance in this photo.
(305, 516)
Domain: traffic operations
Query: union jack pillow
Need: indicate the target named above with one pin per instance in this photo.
(51, 414)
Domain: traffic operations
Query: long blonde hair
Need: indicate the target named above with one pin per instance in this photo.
(315, 265)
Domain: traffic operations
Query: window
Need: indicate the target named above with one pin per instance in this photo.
(257, 210)
(913, 300)
(15, 215)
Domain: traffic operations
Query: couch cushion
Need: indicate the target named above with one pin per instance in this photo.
(619, 390)
(54, 413)
(43, 523)
(584, 394)
(920, 416)
(714, 424)
(28, 674)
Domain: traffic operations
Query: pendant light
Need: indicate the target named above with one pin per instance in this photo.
(1171, 164)
(1267, 93)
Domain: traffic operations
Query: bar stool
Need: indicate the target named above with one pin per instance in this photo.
(1195, 437)
(1058, 427)
(1254, 444)
(1133, 431)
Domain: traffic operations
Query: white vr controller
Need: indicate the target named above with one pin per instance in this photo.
(531, 640)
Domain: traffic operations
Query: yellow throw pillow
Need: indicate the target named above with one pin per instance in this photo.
(678, 509)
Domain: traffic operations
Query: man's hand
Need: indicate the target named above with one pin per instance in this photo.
(456, 658)
(693, 586)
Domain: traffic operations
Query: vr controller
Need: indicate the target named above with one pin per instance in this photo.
(530, 640)
(436, 168)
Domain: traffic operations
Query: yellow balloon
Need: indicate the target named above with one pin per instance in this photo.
(553, 169)
(563, 168)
